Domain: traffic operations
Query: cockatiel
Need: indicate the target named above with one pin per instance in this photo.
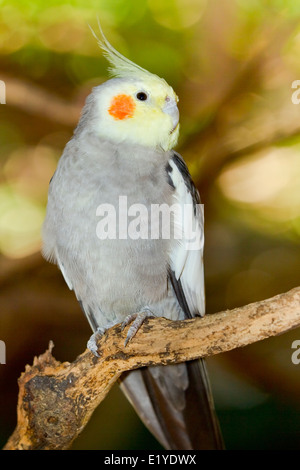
(122, 146)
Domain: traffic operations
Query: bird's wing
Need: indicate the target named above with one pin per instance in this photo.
(175, 402)
(186, 257)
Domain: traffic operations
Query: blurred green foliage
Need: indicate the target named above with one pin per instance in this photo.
(232, 63)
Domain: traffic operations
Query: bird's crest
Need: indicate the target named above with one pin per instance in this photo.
(120, 66)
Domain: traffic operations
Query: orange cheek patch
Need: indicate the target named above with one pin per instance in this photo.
(122, 107)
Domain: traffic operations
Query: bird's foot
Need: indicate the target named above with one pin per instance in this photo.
(92, 342)
(137, 319)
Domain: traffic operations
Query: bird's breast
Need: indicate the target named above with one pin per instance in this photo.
(117, 252)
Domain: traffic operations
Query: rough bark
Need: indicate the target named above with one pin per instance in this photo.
(57, 399)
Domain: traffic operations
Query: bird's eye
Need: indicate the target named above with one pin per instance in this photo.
(142, 96)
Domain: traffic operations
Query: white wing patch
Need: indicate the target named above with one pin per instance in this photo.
(186, 258)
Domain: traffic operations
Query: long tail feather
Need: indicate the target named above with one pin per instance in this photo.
(175, 403)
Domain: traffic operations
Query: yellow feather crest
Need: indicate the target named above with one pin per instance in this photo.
(120, 66)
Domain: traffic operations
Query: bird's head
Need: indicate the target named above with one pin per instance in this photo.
(136, 106)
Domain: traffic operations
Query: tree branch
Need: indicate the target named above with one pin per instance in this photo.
(38, 101)
(57, 399)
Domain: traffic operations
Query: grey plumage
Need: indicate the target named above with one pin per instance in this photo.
(116, 277)
(104, 274)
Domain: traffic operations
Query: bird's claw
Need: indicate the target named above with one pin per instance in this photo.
(92, 342)
(137, 319)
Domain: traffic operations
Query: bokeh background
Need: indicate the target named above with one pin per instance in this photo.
(232, 63)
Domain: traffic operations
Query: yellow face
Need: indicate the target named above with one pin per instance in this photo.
(139, 111)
